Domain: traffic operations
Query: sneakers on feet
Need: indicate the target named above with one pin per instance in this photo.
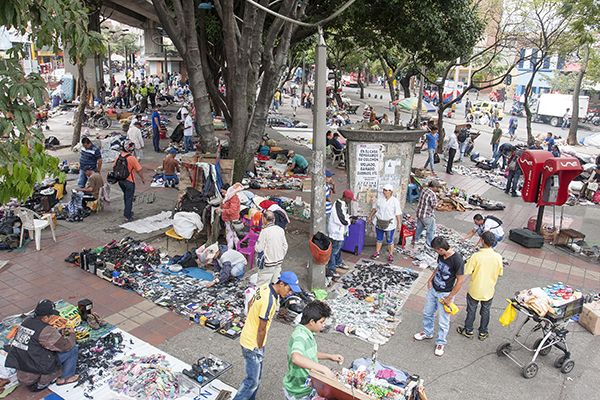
(390, 258)
(483, 336)
(439, 350)
(421, 336)
(461, 330)
(343, 266)
(375, 255)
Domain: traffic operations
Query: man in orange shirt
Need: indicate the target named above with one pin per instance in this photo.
(128, 185)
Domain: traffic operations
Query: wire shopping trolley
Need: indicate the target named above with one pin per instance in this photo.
(553, 331)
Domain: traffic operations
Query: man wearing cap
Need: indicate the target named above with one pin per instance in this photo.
(226, 263)
(134, 133)
(170, 168)
(337, 227)
(388, 217)
(41, 353)
(272, 247)
(296, 163)
(261, 311)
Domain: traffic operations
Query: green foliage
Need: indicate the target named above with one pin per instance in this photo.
(23, 159)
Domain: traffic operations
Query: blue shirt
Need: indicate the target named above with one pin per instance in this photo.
(431, 141)
(89, 157)
(156, 115)
(550, 142)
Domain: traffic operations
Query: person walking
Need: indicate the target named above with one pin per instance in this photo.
(496, 136)
(337, 228)
(261, 311)
(566, 119)
(463, 141)
(443, 285)
(188, 133)
(128, 185)
(513, 123)
(273, 246)
(295, 103)
(467, 107)
(432, 139)
(485, 267)
(426, 212)
(452, 147)
(388, 217)
(90, 156)
(134, 133)
(152, 93)
(156, 128)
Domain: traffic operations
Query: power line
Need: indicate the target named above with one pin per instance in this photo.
(301, 23)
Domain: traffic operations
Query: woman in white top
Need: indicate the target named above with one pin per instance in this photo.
(388, 216)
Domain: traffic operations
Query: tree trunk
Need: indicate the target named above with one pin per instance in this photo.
(83, 99)
(360, 84)
(572, 138)
(405, 82)
(528, 113)
(440, 112)
(419, 102)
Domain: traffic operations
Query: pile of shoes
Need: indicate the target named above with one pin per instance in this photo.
(97, 358)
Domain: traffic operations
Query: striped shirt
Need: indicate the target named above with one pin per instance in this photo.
(328, 204)
(427, 204)
(302, 342)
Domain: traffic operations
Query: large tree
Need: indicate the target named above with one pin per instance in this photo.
(23, 159)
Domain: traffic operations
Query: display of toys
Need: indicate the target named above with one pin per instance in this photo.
(71, 314)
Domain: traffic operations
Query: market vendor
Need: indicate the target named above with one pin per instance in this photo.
(297, 164)
(41, 353)
(302, 353)
(94, 183)
(230, 211)
(170, 168)
(489, 223)
(503, 151)
(90, 157)
(227, 264)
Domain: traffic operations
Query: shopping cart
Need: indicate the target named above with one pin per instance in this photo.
(553, 328)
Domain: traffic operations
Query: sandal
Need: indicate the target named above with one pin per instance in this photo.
(67, 381)
(464, 332)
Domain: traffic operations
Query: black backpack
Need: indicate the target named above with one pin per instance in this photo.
(495, 219)
(462, 135)
(193, 201)
(178, 115)
(121, 168)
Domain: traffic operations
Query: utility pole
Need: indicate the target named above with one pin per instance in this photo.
(303, 74)
(419, 102)
(110, 72)
(317, 272)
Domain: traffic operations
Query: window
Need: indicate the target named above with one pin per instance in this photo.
(546, 64)
(521, 58)
(534, 59)
(560, 63)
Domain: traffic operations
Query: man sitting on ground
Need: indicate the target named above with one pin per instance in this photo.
(94, 183)
(170, 169)
(41, 353)
(296, 163)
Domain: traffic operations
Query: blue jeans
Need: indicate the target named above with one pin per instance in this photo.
(389, 235)
(336, 254)
(68, 361)
(427, 224)
(253, 360)
(128, 189)
(463, 148)
(82, 177)
(472, 305)
(187, 143)
(430, 159)
(156, 139)
(495, 148)
(432, 304)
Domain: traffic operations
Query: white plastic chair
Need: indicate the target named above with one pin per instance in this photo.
(34, 223)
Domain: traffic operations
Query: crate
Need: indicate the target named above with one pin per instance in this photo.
(567, 310)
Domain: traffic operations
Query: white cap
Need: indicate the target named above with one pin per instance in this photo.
(388, 187)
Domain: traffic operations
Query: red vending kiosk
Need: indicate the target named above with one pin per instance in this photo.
(557, 174)
(532, 163)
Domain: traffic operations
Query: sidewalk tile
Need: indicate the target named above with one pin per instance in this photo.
(564, 268)
(128, 325)
(115, 319)
(145, 305)
(157, 311)
(577, 271)
(130, 311)
(142, 318)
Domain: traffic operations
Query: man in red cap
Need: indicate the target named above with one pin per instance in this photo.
(337, 227)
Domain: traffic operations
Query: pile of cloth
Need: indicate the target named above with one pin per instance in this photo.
(271, 175)
(369, 301)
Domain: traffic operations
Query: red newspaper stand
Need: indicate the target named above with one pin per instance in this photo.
(557, 174)
(532, 164)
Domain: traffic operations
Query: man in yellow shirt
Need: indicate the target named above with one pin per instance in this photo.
(485, 267)
(261, 311)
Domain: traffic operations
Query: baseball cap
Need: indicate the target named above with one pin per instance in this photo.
(388, 187)
(329, 174)
(172, 150)
(348, 194)
(290, 279)
(45, 307)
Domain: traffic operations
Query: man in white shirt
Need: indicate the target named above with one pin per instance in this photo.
(337, 229)
(295, 103)
(181, 113)
(388, 217)
(452, 147)
(188, 132)
(487, 224)
(273, 246)
(134, 134)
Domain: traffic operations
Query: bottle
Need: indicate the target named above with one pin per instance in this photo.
(380, 300)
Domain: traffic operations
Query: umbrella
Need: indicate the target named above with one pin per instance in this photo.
(410, 104)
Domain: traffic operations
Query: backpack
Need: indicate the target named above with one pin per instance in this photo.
(178, 115)
(121, 168)
(495, 219)
(462, 135)
(193, 201)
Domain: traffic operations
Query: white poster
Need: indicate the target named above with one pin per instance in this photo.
(368, 166)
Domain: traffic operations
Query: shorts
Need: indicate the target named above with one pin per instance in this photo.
(389, 235)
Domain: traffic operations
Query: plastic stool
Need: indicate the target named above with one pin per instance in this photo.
(412, 193)
(406, 233)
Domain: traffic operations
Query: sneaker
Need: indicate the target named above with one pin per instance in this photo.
(343, 266)
(332, 274)
(483, 336)
(421, 336)
(390, 258)
(439, 350)
(461, 330)
(375, 255)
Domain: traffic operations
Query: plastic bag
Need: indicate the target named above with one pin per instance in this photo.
(508, 315)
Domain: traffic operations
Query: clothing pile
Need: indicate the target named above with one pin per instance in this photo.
(271, 175)
(370, 299)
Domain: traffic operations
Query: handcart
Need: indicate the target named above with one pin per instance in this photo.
(553, 328)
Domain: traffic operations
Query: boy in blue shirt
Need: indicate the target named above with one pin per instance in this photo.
(432, 139)
(549, 141)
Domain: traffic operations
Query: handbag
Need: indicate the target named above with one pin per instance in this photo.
(383, 224)
(436, 158)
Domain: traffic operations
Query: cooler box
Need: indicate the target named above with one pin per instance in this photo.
(355, 241)
(526, 238)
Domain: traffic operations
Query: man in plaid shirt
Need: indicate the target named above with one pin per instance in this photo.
(425, 209)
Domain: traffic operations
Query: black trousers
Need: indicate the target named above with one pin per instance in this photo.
(451, 154)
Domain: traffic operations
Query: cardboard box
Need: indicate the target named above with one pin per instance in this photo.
(590, 317)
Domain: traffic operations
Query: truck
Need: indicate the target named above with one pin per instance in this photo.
(552, 107)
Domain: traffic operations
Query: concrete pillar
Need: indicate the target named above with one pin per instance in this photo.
(93, 71)
(152, 39)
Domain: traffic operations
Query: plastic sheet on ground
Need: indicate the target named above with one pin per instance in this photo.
(150, 224)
